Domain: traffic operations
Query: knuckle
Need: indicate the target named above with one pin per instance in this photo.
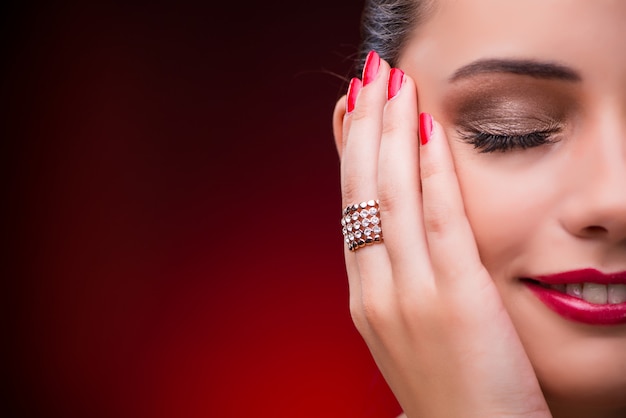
(390, 125)
(360, 113)
(358, 319)
(362, 110)
(388, 196)
(375, 313)
(432, 170)
(352, 184)
(369, 315)
(437, 217)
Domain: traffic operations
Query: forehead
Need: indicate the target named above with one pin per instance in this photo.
(586, 35)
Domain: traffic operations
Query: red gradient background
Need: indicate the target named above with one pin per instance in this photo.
(173, 202)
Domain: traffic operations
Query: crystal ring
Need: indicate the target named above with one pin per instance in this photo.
(360, 224)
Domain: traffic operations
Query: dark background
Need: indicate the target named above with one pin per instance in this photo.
(172, 204)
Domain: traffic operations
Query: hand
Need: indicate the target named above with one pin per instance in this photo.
(422, 300)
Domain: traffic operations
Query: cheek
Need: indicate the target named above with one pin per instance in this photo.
(508, 206)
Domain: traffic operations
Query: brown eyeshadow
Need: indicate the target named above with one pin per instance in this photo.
(504, 101)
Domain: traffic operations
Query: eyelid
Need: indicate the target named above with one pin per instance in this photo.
(512, 125)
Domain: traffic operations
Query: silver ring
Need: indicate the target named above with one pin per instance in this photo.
(360, 224)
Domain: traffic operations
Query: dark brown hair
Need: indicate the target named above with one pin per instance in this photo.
(386, 25)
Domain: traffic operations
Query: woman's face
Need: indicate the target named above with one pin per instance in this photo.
(549, 76)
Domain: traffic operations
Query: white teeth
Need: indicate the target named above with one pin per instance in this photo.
(595, 293)
(598, 294)
(616, 293)
(574, 289)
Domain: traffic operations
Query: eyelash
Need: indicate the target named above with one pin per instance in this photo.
(487, 142)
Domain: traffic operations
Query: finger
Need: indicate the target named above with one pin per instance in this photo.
(399, 186)
(354, 279)
(453, 251)
(362, 130)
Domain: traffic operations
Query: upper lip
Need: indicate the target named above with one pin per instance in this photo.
(588, 275)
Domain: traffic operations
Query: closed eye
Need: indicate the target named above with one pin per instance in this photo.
(488, 142)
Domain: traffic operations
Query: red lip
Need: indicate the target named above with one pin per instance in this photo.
(579, 310)
(576, 309)
(582, 276)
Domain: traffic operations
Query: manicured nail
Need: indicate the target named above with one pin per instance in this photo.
(426, 127)
(396, 77)
(353, 92)
(372, 63)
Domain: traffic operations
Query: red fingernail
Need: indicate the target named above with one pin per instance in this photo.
(396, 77)
(372, 63)
(426, 127)
(353, 92)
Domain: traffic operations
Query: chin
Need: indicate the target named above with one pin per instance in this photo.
(579, 365)
(583, 379)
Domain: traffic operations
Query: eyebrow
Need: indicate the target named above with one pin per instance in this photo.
(532, 68)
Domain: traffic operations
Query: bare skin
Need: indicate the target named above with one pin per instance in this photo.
(440, 303)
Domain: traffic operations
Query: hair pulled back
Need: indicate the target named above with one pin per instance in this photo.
(385, 27)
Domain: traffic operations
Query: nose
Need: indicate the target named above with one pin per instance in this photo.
(598, 210)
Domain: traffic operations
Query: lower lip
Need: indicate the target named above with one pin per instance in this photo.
(580, 310)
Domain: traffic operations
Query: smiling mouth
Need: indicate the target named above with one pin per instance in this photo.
(594, 293)
(588, 296)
